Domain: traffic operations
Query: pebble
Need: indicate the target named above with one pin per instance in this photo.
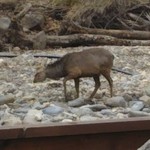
(76, 103)
(145, 99)
(4, 23)
(127, 97)
(16, 78)
(9, 119)
(117, 101)
(53, 110)
(146, 110)
(33, 117)
(107, 112)
(138, 114)
(7, 99)
(21, 110)
(88, 118)
(147, 90)
(136, 105)
(95, 107)
(83, 111)
(39, 41)
(67, 120)
(31, 20)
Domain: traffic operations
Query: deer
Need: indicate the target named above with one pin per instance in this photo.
(87, 63)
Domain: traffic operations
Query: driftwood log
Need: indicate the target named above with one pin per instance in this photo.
(90, 39)
(122, 34)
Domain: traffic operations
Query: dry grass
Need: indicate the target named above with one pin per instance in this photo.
(83, 11)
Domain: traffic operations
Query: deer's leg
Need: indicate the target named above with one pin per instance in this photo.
(76, 81)
(97, 85)
(64, 84)
(106, 74)
(74, 73)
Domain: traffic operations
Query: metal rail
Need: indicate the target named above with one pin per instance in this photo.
(122, 134)
(35, 55)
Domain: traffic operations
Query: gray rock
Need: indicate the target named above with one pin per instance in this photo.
(33, 116)
(147, 90)
(138, 114)
(136, 105)
(145, 99)
(53, 110)
(127, 97)
(4, 24)
(31, 20)
(107, 112)
(146, 110)
(117, 101)
(84, 111)
(39, 41)
(22, 110)
(77, 102)
(7, 99)
(88, 118)
(146, 146)
(95, 107)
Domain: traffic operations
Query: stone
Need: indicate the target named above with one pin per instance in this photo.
(66, 120)
(22, 110)
(84, 111)
(146, 146)
(7, 99)
(145, 99)
(117, 101)
(147, 90)
(107, 112)
(32, 20)
(16, 49)
(4, 25)
(53, 110)
(88, 118)
(39, 41)
(77, 102)
(8, 118)
(3, 63)
(127, 97)
(138, 114)
(136, 105)
(33, 117)
(95, 107)
(146, 110)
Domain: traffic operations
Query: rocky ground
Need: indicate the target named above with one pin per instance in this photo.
(22, 101)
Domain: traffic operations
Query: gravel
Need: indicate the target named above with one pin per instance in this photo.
(23, 101)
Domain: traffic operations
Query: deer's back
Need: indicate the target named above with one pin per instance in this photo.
(89, 62)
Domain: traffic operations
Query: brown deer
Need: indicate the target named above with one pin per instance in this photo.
(88, 63)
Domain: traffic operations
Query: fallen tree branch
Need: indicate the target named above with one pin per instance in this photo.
(122, 34)
(24, 11)
(90, 39)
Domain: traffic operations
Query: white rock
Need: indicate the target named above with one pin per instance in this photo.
(33, 116)
(88, 118)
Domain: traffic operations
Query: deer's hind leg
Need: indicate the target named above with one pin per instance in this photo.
(76, 81)
(106, 74)
(97, 85)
